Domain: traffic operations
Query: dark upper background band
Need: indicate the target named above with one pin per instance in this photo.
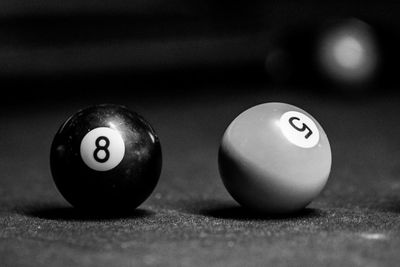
(59, 37)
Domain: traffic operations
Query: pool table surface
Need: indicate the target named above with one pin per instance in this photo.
(190, 219)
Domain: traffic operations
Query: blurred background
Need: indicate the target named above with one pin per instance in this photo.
(190, 67)
(54, 49)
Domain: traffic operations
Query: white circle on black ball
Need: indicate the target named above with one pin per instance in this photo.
(102, 149)
(299, 129)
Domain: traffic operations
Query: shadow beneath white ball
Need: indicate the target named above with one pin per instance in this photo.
(236, 212)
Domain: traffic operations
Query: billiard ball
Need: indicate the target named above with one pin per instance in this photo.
(274, 158)
(106, 158)
(347, 53)
(278, 65)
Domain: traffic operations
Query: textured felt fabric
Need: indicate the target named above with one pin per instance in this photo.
(190, 219)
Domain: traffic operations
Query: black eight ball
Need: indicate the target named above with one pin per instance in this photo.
(106, 157)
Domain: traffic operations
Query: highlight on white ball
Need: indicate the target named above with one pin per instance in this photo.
(348, 53)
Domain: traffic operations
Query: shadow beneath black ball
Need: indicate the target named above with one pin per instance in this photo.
(235, 212)
(65, 213)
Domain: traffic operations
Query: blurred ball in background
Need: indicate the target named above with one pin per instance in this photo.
(347, 53)
(278, 65)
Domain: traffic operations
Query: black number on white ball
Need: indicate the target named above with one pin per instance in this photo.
(100, 147)
(302, 129)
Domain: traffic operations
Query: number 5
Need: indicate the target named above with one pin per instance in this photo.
(302, 129)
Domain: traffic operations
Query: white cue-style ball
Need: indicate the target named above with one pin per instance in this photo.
(274, 158)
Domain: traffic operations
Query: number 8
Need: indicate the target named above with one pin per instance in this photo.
(102, 148)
